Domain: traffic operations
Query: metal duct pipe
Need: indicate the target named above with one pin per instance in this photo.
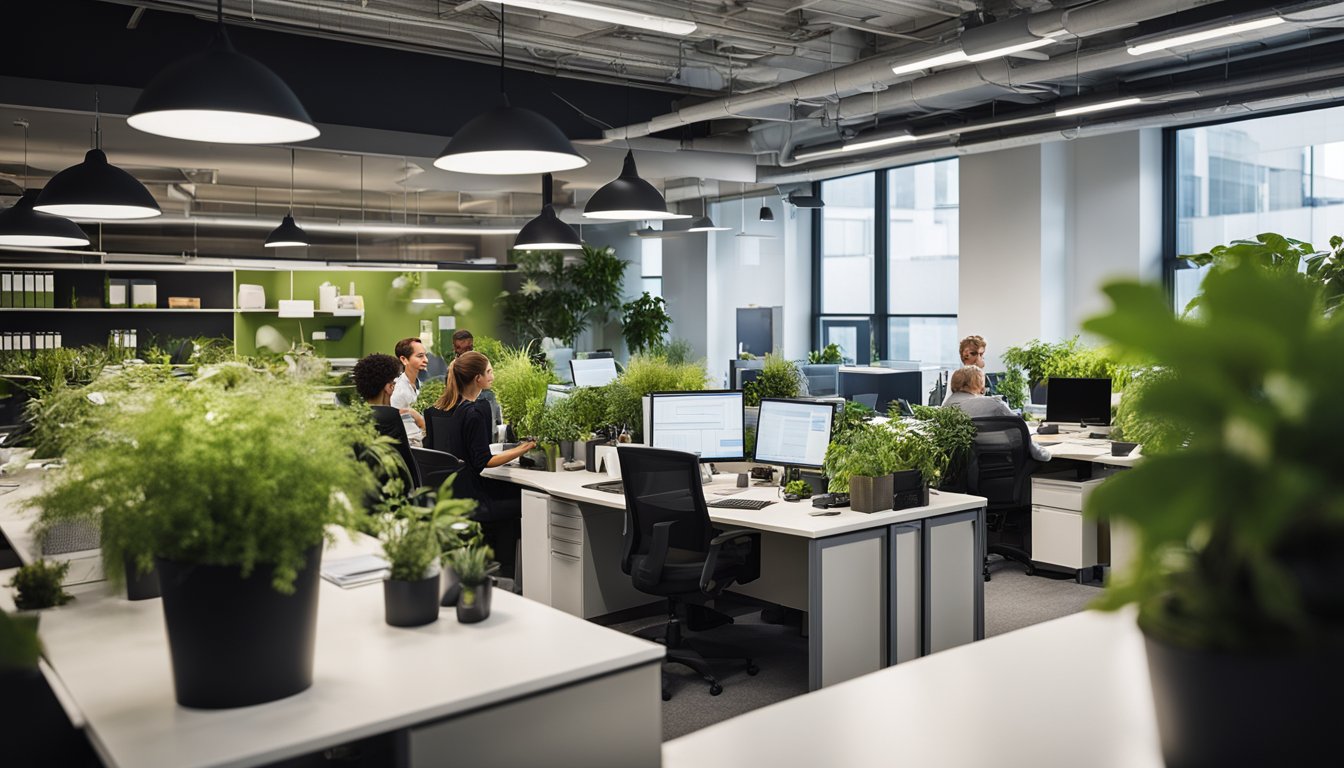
(330, 227)
(1080, 22)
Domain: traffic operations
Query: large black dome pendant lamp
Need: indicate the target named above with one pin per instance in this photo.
(288, 234)
(96, 189)
(628, 198)
(221, 96)
(547, 232)
(509, 140)
(24, 227)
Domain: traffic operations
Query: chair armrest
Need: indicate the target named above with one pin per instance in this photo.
(737, 540)
(662, 534)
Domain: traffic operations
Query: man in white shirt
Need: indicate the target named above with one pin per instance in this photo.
(414, 359)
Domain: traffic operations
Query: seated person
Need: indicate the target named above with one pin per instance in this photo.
(968, 394)
(375, 378)
(460, 424)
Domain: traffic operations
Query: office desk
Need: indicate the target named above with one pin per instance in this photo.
(582, 694)
(1058, 532)
(16, 523)
(965, 707)
(878, 589)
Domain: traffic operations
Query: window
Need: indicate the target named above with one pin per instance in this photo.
(907, 300)
(651, 266)
(1232, 181)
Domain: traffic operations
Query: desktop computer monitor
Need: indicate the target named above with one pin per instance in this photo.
(879, 388)
(707, 423)
(555, 393)
(1079, 401)
(793, 433)
(593, 372)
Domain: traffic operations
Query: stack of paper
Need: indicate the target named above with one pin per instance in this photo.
(355, 571)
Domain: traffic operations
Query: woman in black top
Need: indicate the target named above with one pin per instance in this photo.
(460, 425)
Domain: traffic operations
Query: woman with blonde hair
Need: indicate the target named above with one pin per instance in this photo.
(461, 424)
(968, 394)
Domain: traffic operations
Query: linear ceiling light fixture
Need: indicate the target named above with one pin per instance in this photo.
(288, 234)
(861, 144)
(547, 232)
(1139, 48)
(956, 56)
(1097, 106)
(607, 14)
(222, 96)
(509, 140)
(22, 226)
(96, 189)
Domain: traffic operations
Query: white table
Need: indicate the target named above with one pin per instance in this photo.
(582, 694)
(1062, 694)
(877, 588)
(1116, 544)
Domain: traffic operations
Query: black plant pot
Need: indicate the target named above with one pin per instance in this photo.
(140, 586)
(909, 489)
(452, 586)
(1223, 709)
(473, 604)
(411, 603)
(235, 641)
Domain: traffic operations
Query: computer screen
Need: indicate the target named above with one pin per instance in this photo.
(1078, 401)
(707, 423)
(793, 433)
(593, 372)
(555, 393)
(878, 388)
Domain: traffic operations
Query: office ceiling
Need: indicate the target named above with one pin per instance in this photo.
(763, 93)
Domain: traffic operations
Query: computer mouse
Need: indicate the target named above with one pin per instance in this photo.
(792, 497)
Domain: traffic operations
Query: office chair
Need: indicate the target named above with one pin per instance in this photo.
(435, 466)
(999, 468)
(388, 422)
(671, 550)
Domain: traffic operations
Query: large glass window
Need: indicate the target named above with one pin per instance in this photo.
(847, 245)
(910, 295)
(1283, 173)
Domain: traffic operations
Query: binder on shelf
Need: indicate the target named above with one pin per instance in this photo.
(117, 292)
(29, 289)
(49, 290)
(6, 288)
(144, 294)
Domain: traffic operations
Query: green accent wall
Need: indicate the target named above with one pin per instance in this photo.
(389, 315)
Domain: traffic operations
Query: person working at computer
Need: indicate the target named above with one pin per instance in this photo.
(414, 359)
(968, 394)
(375, 378)
(460, 423)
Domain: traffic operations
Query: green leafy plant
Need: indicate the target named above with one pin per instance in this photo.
(1240, 530)
(471, 564)
(38, 585)
(1013, 386)
(829, 354)
(676, 351)
(555, 424)
(410, 546)
(1131, 422)
(778, 378)
(644, 323)
(586, 407)
(1038, 360)
(20, 648)
(949, 433)
(560, 300)
(520, 387)
(489, 346)
(429, 394)
(849, 419)
(67, 416)
(645, 374)
(799, 487)
(223, 476)
(869, 451)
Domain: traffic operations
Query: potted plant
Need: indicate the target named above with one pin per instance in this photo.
(1237, 580)
(520, 387)
(948, 433)
(556, 431)
(230, 490)
(38, 585)
(471, 564)
(778, 378)
(643, 374)
(412, 588)
(799, 488)
(644, 323)
(862, 465)
(829, 354)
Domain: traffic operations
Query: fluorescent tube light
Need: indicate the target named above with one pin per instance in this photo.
(859, 146)
(1100, 106)
(1203, 35)
(624, 18)
(951, 57)
(1010, 49)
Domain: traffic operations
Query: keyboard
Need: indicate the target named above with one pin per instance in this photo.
(739, 503)
(610, 486)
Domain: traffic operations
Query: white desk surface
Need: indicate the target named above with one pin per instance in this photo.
(1067, 693)
(790, 518)
(1076, 445)
(111, 655)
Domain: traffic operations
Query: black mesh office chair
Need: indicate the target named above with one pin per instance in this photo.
(999, 469)
(388, 422)
(671, 550)
(435, 466)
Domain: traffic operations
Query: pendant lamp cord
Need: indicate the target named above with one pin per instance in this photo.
(97, 121)
(501, 49)
(291, 181)
(219, 12)
(24, 125)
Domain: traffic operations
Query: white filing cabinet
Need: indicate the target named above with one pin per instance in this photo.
(565, 538)
(1060, 535)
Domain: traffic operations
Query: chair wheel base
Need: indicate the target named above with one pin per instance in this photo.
(715, 689)
(667, 695)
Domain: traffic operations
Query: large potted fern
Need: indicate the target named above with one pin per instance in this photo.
(229, 486)
(1237, 578)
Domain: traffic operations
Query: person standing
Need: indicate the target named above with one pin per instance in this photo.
(414, 359)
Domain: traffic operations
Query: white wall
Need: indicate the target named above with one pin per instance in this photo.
(1044, 227)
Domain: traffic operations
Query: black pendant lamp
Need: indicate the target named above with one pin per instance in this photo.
(96, 189)
(221, 96)
(24, 227)
(288, 234)
(628, 198)
(766, 214)
(508, 140)
(547, 232)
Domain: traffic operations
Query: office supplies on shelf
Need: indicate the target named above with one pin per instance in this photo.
(739, 503)
(117, 291)
(144, 294)
(184, 302)
(251, 296)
